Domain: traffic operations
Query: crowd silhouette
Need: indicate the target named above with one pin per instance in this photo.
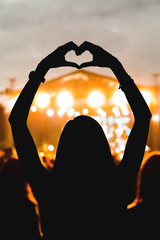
(145, 209)
(18, 208)
(86, 193)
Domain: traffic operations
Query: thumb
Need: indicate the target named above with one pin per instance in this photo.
(71, 64)
(87, 64)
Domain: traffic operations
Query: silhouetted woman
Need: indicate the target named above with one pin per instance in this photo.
(85, 193)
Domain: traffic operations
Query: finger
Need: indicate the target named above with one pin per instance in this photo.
(71, 64)
(86, 46)
(87, 64)
(68, 47)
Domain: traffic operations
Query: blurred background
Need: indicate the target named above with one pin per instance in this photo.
(30, 30)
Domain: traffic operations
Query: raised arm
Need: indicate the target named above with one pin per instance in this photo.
(136, 143)
(135, 146)
(24, 143)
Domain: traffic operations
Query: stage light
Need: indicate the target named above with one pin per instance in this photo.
(101, 112)
(147, 96)
(85, 111)
(70, 112)
(76, 114)
(155, 117)
(119, 98)
(33, 108)
(96, 99)
(125, 110)
(42, 100)
(50, 147)
(61, 112)
(121, 155)
(41, 154)
(116, 111)
(50, 112)
(122, 147)
(65, 99)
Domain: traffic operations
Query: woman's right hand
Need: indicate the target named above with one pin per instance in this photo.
(57, 59)
(101, 58)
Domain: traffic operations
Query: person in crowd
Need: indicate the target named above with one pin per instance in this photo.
(85, 194)
(2, 159)
(8, 153)
(145, 210)
(18, 216)
(5, 155)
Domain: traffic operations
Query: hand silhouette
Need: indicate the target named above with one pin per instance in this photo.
(101, 58)
(57, 58)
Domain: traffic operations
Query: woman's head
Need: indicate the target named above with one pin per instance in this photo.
(83, 148)
(84, 169)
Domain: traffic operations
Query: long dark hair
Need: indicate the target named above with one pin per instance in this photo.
(83, 150)
(84, 172)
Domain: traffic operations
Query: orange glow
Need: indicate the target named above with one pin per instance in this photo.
(116, 111)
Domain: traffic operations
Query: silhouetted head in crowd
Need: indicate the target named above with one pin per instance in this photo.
(13, 179)
(148, 185)
(8, 152)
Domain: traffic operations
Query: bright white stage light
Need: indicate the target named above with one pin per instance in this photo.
(96, 99)
(42, 100)
(65, 99)
(125, 110)
(61, 112)
(70, 112)
(155, 117)
(101, 112)
(85, 111)
(33, 108)
(50, 112)
(119, 98)
(50, 147)
(76, 114)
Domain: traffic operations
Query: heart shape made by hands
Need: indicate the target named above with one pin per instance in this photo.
(85, 56)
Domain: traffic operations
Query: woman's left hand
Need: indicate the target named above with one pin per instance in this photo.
(57, 59)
